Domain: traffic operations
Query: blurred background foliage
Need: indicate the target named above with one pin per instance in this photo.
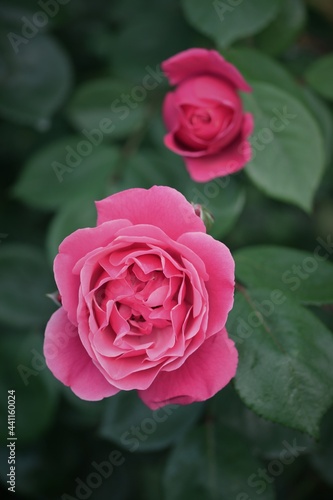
(80, 119)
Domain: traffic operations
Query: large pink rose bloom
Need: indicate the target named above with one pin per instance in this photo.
(204, 115)
(145, 297)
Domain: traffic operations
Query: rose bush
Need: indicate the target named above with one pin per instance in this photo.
(145, 297)
(204, 115)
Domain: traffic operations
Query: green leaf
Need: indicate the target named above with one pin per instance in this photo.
(258, 67)
(320, 75)
(72, 167)
(25, 280)
(23, 370)
(324, 118)
(267, 438)
(137, 57)
(225, 23)
(132, 425)
(146, 169)
(112, 108)
(285, 371)
(36, 79)
(214, 463)
(224, 198)
(322, 458)
(285, 28)
(302, 276)
(288, 153)
(75, 215)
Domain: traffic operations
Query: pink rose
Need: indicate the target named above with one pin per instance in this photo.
(145, 298)
(204, 115)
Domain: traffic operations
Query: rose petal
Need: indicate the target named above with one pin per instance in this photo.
(227, 161)
(194, 62)
(220, 267)
(171, 111)
(180, 149)
(204, 373)
(129, 373)
(161, 244)
(72, 249)
(159, 206)
(204, 90)
(173, 116)
(157, 297)
(69, 362)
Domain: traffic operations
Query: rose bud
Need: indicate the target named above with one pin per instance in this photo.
(204, 115)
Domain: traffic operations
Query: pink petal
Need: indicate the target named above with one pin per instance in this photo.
(220, 268)
(205, 90)
(171, 111)
(157, 297)
(147, 263)
(194, 62)
(201, 92)
(71, 250)
(128, 373)
(159, 206)
(162, 245)
(247, 128)
(69, 362)
(171, 143)
(203, 374)
(228, 161)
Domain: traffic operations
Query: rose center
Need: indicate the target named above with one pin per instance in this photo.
(200, 117)
(200, 125)
(140, 305)
(141, 300)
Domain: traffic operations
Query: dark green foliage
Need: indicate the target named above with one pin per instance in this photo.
(81, 93)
